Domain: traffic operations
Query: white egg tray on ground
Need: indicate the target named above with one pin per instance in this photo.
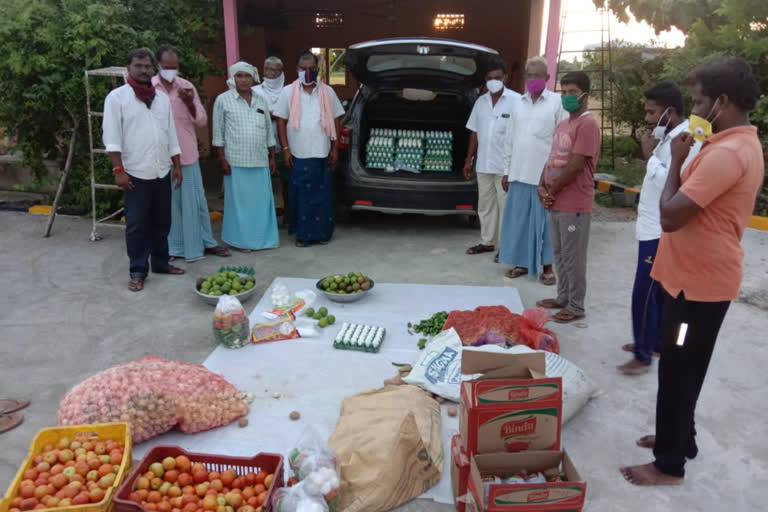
(366, 338)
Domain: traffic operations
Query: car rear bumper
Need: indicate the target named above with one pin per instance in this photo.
(409, 196)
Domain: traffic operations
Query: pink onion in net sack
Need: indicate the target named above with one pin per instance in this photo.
(154, 396)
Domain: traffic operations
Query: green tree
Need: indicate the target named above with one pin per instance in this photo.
(634, 68)
(665, 14)
(47, 45)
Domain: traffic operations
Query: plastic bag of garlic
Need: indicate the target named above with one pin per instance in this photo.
(154, 396)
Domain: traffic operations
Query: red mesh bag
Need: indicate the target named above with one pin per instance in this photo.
(497, 325)
(154, 396)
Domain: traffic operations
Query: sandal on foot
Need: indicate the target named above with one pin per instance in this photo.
(302, 243)
(219, 250)
(516, 272)
(10, 421)
(548, 279)
(480, 249)
(174, 271)
(9, 405)
(629, 347)
(136, 284)
(634, 367)
(565, 317)
(549, 304)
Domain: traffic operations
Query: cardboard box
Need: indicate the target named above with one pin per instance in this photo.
(459, 471)
(567, 496)
(512, 406)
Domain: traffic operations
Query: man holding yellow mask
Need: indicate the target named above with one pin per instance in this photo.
(703, 216)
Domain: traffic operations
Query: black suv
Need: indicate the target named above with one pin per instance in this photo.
(423, 85)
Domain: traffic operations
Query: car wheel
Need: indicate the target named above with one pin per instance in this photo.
(472, 221)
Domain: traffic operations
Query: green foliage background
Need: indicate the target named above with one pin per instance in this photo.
(47, 45)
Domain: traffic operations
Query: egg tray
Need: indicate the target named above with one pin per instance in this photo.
(248, 271)
(344, 338)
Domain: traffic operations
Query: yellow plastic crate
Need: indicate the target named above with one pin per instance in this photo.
(120, 432)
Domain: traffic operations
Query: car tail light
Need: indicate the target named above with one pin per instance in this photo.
(464, 207)
(364, 203)
(344, 138)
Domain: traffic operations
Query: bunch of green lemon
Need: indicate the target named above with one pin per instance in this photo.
(354, 282)
(225, 283)
(322, 316)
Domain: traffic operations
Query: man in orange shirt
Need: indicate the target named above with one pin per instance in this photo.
(703, 216)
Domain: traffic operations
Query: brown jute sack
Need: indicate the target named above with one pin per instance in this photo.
(389, 444)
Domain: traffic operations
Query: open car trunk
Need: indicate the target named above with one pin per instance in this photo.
(448, 111)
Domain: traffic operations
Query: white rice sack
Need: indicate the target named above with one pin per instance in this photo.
(578, 389)
(438, 369)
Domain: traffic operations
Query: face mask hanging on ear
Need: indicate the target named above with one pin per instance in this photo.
(660, 131)
(700, 127)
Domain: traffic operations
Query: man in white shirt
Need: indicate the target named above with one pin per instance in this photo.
(665, 121)
(526, 243)
(271, 88)
(308, 114)
(140, 136)
(488, 124)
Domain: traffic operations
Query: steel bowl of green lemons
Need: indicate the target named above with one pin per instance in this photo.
(346, 287)
(236, 282)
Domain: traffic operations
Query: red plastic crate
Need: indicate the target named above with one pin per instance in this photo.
(269, 462)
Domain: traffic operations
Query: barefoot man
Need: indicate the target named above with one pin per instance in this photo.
(698, 263)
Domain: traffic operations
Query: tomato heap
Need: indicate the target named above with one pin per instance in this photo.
(178, 485)
(69, 473)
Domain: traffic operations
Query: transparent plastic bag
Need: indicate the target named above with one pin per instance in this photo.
(281, 328)
(230, 323)
(297, 499)
(317, 467)
(154, 396)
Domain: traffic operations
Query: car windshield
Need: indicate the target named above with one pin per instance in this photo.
(460, 65)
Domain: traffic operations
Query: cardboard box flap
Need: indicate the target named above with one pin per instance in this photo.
(531, 461)
(493, 365)
(570, 470)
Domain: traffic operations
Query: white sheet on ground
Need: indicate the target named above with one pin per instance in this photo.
(313, 378)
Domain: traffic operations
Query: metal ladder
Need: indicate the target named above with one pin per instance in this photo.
(600, 76)
(114, 73)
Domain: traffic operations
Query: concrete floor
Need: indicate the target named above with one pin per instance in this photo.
(65, 313)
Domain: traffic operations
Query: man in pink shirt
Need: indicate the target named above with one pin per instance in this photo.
(191, 236)
(566, 189)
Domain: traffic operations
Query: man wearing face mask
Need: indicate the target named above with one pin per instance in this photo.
(308, 114)
(566, 189)
(526, 243)
(699, 262)
(487, 124)
(663, 117)
(271, 88)
(191, 237)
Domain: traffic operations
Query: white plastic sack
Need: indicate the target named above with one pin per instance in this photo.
(578, 389)
(438, 370)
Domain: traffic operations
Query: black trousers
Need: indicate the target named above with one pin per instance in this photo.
(681, 374)
(147, 223)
